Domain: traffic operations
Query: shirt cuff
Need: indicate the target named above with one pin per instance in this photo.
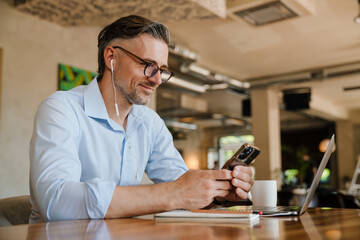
(99, 195)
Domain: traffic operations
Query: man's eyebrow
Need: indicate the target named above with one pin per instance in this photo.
(155, 62)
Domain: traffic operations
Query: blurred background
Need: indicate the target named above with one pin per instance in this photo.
(283, 75)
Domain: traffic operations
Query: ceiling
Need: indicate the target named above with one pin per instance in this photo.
(319, 48)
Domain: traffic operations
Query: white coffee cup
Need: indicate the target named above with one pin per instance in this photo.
(264, 193)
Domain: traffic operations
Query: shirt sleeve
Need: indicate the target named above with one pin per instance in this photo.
(55, 168)
(165, 162)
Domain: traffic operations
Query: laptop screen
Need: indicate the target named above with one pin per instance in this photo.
(318, 174)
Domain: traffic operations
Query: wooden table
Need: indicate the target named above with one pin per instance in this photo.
(315, 224)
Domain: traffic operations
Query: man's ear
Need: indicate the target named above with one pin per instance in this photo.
(109, 57)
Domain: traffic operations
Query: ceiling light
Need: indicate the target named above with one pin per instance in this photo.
(188, 85)
(247, 85)
(199, 70)
(235, 82)
(220, 77)
(184, 52)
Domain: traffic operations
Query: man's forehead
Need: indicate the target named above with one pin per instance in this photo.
(149, 48)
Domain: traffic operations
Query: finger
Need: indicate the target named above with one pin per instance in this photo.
(223, 185)
(242, 180)
(243, 173)
(241, 193)
(242, 170)
(222, 174)
(245, 186)
(222, 193)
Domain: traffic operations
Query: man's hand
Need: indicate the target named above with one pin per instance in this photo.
(193, 190)
(197, 188)
(241, 182)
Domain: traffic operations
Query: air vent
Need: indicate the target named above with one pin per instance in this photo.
(267, 13)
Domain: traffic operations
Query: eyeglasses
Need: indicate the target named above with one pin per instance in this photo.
(150, 68)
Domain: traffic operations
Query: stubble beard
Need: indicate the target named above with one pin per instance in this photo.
(136, 96)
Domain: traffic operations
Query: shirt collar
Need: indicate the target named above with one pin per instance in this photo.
(94, 105)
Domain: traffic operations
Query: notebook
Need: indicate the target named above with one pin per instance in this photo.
(295, 210)
(206, 215)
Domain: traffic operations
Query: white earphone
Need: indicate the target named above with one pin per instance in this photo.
(113, 82)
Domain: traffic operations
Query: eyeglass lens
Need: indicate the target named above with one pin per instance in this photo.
(152, 69)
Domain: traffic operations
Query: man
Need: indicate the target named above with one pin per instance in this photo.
(91, 145)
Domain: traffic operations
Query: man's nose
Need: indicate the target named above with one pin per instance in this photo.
(156, 79)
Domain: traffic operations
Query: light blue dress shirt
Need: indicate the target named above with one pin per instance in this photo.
(78, 154)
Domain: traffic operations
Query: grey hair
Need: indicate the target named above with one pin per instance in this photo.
(127, 28)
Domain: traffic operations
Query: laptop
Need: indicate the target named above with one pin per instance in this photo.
(296, 210)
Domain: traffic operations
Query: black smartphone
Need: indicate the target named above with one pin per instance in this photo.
(244, 156)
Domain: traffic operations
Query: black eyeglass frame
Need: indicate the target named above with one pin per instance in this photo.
(147, 64)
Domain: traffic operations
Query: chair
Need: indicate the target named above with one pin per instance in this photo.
(15, 210)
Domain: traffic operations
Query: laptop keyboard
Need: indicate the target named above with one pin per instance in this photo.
(268, 209)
